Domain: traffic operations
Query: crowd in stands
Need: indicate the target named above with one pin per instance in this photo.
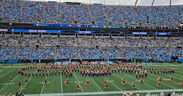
(31, 47)
(53, 12)
(31, 41)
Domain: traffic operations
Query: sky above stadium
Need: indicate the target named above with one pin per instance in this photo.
(125, 2)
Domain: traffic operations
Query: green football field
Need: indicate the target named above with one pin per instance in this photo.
(56, 85)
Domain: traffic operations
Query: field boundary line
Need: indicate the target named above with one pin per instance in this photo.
(107, 93)
(11, 66)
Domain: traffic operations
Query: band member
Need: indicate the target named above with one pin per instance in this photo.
(10, 78)
(124, 82)
(170, 80)
(158, 79)
(181, 78)
(181, 84)
(133, 86)
(159, 83)
(19, 85)
(127, 94)
(141, 80)
(8, 94)
(78, 86)
(66, 82)
(105, 84)
(26, 80)
(87, 83)
(45, 82)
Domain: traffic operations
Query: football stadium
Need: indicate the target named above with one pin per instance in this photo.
(91, 47)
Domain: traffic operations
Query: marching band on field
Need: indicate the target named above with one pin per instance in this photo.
(98, 70)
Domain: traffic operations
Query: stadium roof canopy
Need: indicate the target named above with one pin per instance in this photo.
(126, 2)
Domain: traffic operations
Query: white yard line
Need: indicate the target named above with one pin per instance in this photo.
(173, 77)
(77, 81)
(177, 75)
(10, 82)
(3, 69)
(26, 84)
(61, 85)
(118, 77)
(164, 84)
(96, 84)
(145, 83)
(122, 79)
(7, 73)
(114, 85)
(43, 87)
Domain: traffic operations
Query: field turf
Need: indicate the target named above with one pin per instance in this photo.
(56, 85)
